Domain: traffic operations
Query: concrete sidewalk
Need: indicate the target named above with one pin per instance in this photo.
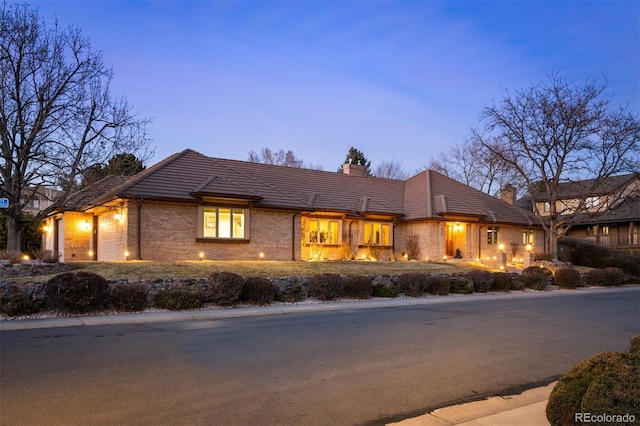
(525, 409)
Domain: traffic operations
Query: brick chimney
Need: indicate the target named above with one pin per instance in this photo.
(354, 169)
(508, 193)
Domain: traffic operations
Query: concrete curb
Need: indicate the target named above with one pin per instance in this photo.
(525, 409)
(213, 314)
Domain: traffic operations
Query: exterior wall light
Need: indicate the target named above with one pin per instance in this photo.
(126, 255)
(501, 247)
(201, 255)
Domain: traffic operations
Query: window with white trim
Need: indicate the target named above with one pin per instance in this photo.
(223, 222)
(377, 233)
(528, 236)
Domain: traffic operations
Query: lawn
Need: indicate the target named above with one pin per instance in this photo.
(201, 269)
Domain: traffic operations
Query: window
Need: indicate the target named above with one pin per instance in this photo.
(223, 223)
(592, 202)
(492, 235)
(547, 207)
(324, 231)
(528, 236)
(377, 233)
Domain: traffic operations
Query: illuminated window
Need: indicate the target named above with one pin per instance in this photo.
(324, 231)
(377, 233)
(528, 236)
(223, 223)
(492, 234)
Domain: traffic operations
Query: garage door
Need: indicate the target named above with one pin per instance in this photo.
(109, 237)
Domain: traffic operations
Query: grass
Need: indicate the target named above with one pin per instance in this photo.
(135, 270)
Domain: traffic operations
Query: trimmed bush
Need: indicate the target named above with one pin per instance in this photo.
(77, 292)
(482, 280)
(129, 297)
(439, 286)
(258, 291)
(177, 299)
(596, 277)
(501, 281)
(536, 278)
(460, 285)
(326, 286)
(605, 383)
(381, 290)
(225, 288)
(413, 284)
(566, 397)
(19, 304)
(567, 278)
(615, 276)
(358, 287)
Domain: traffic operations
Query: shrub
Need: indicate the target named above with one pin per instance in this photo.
(605, 383)
(46, 256)
(381, 290)
(225, 288)
(501, 281)
(567, 278)
(460, 285)
(358, 287)
(289, 295)
(439, 286)
(257, 291)
(413, 284)
(592, 255)
(77, 292)
(567, 396)
(536, 278)
(13, 256)
(326, 286)
(129, 297)
(595, 277)
(482, 280)
(176, 299)
(614, 276)
(516, 284)
(19, 304)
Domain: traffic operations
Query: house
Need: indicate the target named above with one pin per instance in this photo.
(37, 199)
(191, 206)
(609, 210)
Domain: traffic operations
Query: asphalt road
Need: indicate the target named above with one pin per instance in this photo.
(350, 367)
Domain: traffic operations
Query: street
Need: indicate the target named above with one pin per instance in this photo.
(350, 367)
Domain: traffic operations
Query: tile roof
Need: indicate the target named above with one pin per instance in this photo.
(188, 176)
(591, 187)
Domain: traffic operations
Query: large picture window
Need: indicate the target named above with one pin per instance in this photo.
(377, 233)
(324, 231)
(221, 222)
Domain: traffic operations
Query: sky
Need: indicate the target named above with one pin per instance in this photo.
(402, 80)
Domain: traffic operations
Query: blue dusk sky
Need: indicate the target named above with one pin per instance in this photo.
(398, 80)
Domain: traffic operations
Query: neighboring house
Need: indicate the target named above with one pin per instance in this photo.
(610, 210)
(190, 206)
(38, 199)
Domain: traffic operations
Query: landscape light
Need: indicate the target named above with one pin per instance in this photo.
(201, 255)
(261, 255)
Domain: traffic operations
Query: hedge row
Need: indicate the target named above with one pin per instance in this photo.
(82, 292)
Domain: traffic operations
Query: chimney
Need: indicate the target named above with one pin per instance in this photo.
(508, 194)
(354, 169)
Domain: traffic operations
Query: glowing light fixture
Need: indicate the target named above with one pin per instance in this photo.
(201, 255)
(261, 256)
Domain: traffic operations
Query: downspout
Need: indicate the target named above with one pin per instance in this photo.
(139, 230)
(480, 242)
(293, 235)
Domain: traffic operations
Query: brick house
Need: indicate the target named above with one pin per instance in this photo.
(191, 206)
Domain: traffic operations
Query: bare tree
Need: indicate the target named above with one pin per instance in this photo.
(57, 114)
(556, 132)
(390, 169)
(276, 158)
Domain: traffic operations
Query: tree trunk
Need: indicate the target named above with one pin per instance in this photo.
(13, 234)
